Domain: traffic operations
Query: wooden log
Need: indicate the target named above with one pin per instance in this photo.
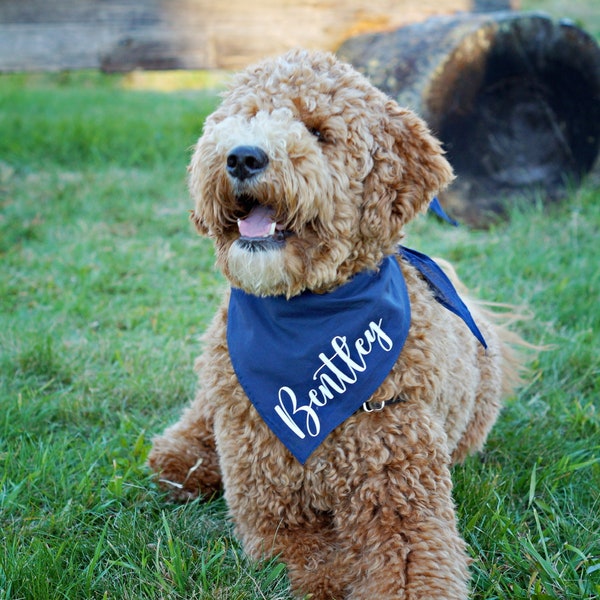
(515, 97)
(121, 35)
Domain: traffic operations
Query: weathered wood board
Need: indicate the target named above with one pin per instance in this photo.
(121, 35)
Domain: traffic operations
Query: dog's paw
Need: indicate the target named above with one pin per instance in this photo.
(185, 470)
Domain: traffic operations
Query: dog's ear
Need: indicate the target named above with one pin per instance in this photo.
(198, 223)
(194, 176)
(409, 169)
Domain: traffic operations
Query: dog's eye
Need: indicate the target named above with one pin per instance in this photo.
(317, 133)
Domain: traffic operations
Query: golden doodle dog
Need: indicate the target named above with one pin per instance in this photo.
(342, 375)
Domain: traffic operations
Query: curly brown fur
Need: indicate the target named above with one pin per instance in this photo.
(370, 514)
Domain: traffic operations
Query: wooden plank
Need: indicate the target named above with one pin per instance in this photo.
(122, 35)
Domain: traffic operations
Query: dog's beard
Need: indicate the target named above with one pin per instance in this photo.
(257, 270)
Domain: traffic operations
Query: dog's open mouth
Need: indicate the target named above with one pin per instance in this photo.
(259, 230)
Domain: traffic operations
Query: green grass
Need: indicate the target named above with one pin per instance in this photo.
(104, 289)
(584, 13)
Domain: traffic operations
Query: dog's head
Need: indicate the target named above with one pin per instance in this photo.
(306, 174)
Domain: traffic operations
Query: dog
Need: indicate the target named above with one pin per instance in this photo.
(342, 375)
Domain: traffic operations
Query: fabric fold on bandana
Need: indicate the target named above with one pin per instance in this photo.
(309, 362)
(442, 288)
(436, 208)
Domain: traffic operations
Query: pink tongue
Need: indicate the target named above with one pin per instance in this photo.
(259, 223)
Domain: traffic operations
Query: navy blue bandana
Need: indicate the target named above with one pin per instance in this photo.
(436, 208)
(310, 362)
(442, 288)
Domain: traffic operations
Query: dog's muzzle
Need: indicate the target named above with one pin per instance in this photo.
(259, 231)
(244, 162)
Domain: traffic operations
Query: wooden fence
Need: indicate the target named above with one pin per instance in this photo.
(121, 35)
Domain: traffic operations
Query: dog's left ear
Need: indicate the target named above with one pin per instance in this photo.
(409, 169)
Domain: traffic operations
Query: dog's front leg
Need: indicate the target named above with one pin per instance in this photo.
(184, 456)
(397, 530)
(274, 516)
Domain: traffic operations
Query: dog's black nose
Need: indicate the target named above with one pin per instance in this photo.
(246, 161)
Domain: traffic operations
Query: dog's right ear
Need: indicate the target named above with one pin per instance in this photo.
(198, 223)
(193, 172)
(409, 169)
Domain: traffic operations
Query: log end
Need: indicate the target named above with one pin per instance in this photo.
(514, 97)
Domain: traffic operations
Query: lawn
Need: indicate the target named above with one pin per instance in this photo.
(104, 290)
